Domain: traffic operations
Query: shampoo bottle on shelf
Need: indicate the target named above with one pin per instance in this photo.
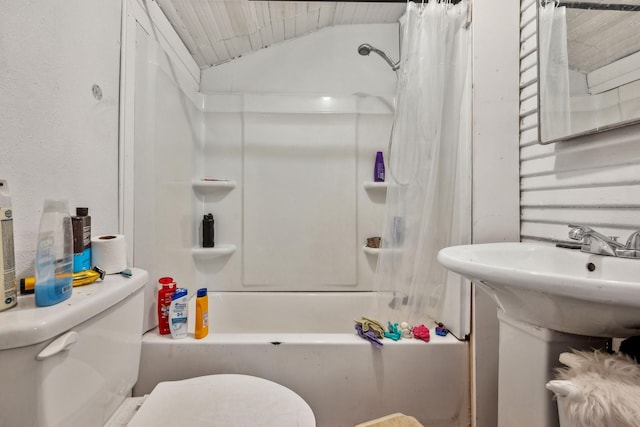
(207, 231)
(178, 313)
(165, 295)
(378, 170)
(7, 254)
(202, 314)
(54, 254)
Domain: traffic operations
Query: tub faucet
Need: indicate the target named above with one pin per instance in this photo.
(599, 244)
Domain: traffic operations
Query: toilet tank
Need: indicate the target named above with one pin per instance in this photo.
(71, 364)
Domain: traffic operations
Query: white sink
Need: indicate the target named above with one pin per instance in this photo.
(555, 288)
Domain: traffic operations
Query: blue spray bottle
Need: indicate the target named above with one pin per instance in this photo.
(54, 254)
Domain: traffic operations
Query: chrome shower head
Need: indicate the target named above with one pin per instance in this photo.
(365, 49)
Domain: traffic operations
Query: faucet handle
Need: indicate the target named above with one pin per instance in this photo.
(633, 242)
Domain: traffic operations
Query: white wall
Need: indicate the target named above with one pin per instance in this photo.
(57, 140)
(296, 127)
(495, 175)
(324, 62)
(167, 132)
(591, 180)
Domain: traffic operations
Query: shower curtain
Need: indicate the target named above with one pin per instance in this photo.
(555, 108)
(429, 161)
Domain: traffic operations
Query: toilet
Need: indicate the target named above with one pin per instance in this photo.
(75, 363)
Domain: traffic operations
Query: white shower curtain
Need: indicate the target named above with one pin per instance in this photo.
(428, 198)
(555, 108)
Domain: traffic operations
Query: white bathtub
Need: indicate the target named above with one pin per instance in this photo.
(307, 342)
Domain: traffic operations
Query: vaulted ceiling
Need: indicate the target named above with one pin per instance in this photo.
(216, 31)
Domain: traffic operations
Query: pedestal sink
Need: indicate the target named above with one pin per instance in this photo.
(556, 288)
(549, 300)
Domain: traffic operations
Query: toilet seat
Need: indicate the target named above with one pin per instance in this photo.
(226, 400)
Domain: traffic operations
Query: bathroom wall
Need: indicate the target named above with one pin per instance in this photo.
(300, 163)
(57, 140)
(325, 62)
(298, 138)
(590, 180)
(495, 177)
(167, 132)
(307, 204)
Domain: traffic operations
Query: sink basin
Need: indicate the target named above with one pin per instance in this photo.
(555, 288)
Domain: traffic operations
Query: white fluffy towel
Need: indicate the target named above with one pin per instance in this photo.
(597, 389)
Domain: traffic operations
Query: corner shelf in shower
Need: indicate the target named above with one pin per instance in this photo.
(375, 186)
(371, 251)
(377, 251)
(213, 185)
(215, 252)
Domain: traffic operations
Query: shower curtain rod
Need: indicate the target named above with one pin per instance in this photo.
(596, 6)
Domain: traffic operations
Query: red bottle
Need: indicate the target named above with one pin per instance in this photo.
(165, 294)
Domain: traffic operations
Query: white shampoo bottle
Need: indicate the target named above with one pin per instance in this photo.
(178, 313)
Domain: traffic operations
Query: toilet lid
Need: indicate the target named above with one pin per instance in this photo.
(226, 400)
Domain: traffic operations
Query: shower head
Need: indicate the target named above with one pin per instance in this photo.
(365, 49)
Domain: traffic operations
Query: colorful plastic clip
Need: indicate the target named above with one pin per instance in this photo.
(441, 330)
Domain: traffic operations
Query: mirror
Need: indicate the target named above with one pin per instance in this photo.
(588, 67)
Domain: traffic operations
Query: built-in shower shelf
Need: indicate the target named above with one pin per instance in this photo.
(377, 251)
(218, 251)
(376, 186)
(371, 251)
(205, 185)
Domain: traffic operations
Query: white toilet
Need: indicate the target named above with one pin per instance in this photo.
(75, 363)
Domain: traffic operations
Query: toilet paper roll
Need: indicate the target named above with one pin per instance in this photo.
(109, 252)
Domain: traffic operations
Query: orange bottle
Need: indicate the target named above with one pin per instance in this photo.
(202, 314)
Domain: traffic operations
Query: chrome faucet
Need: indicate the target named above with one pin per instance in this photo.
(599, 244)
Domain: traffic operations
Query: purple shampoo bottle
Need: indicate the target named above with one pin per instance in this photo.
(378, 171)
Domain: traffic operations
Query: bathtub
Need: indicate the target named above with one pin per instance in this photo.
(306, 342)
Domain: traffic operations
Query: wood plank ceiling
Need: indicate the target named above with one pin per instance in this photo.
(216, 31)
(599, 37)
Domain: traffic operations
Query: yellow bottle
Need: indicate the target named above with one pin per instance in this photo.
(81, 278)
(202, 314)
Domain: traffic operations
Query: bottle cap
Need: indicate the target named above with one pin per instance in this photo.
(179, 293)
(165, 281)
(202, 292)
(82, 211)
